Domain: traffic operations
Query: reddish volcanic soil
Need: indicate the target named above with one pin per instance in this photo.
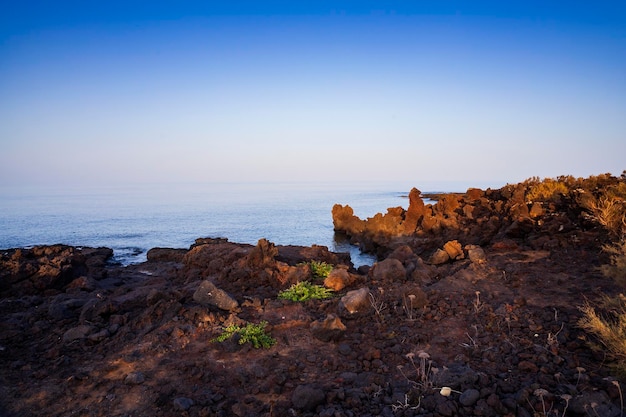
(80, 337)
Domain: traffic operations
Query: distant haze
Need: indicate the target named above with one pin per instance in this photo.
(262, 91)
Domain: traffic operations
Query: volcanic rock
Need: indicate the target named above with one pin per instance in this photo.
(439, 257)
(331, 328)
(183, 403)
(355, 301)
(338, 279)
(469, 397)
(134, 378)
(208, 294)
(389, 270)
(307, 397)
(476, 254)
(76, 333)
(166, 255)
(503, 324)
(454, 250)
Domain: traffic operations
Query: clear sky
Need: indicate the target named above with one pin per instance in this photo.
(113, 91)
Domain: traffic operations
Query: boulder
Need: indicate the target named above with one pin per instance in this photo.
(307, 397)
(77, 333)
(439, 257)
(454, 250)
(208, 294)
(476, 254)
(390, 269)
(166, 255)
(356, 301)
(210, 256)
(403, 253)
(329, 329)
(338, 279)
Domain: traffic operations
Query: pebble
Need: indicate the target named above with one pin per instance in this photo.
(344, 349)
(134, 378)
(183, 403)
(469, 397)
(76, 333)
(527, 366)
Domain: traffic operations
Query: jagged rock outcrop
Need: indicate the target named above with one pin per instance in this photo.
(530, 212)
(30, 271)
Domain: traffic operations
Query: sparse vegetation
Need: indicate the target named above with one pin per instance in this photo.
(422, 369)
(378, 304)
(547, 190)
(408, 305)
(617, 268)
(607, 210)
(304, 291)
(610, 331)
(320, 269)
(605, 204)
(250, 333)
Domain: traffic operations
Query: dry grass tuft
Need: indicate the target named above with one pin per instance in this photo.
(547, 190)
(610, 331)
(617, 268)
(609, 211)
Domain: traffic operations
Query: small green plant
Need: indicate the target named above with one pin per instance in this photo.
(304, 290)
(251, 333)
(320, 269)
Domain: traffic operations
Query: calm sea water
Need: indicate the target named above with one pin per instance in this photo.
(133, 219)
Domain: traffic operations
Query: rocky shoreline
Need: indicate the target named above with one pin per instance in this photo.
(471, 309)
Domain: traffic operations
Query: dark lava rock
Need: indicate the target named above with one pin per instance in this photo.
(183, 403)
(331, 328)
(469, 397)
(208, 294)
(307, 397)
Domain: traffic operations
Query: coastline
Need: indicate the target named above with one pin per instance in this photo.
(491, 310)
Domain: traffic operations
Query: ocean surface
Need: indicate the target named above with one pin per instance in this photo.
(131, 219)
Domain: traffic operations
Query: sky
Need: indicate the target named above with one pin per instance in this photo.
(208, 91)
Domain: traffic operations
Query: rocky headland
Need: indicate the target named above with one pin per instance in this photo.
(472, 309)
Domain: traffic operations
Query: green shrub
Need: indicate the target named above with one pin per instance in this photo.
(320, 269)
(251, 333)
(304, 290)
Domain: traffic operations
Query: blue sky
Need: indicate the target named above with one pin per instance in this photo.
(491, 92)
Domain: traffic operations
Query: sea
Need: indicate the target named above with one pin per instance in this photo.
(131, 219)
